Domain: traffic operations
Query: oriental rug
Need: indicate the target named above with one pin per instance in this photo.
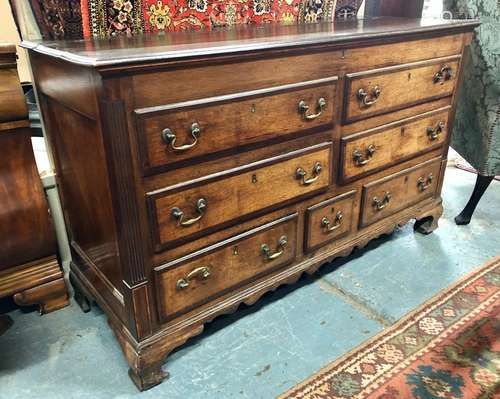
(448, 348)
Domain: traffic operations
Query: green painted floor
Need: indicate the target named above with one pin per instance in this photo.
(261, 351)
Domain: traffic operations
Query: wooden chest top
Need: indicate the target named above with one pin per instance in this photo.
(123, 50)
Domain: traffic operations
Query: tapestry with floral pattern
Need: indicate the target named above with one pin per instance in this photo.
(74, 19)
(108, 17)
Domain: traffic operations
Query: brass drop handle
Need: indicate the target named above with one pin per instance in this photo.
(360, 159)
(300, 174)
(367, 99)
(380, 204)
(423, 183)
(304, 109)
(170, 138)
(266, 251)
(444, 74)
(176, 213)
(434, 132)
(328, 227)
(201, 272)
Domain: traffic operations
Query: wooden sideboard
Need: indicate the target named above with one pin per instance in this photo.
(200, 170)
(29, 268)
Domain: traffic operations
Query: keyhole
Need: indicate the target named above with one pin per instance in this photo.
(333, 210)
(402, 131)
(235, 250)
(253, 108)
(254, 179)
(409, 75)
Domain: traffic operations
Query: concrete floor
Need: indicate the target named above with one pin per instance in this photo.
(263, 350)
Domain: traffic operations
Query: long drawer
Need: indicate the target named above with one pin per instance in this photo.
(372, 150)
(206, 274)
(389, 89)
(178, 132)
(203, 205)
(386, 196)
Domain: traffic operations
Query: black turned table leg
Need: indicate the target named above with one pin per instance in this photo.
(482, 184)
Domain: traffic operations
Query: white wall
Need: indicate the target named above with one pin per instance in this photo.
(432, 8)
(9, 34)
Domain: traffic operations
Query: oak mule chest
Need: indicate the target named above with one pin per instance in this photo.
(200, 170)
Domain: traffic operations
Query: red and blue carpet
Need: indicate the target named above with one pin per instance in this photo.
(448, 348)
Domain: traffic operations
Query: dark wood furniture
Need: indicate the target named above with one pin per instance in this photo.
(482, 183)
(29, 269)
(200, 170)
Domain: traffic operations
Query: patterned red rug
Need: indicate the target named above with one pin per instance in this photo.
(448, 348)
(74, 19)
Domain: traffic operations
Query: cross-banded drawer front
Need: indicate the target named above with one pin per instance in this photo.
(369, 151)
(389, 89)
(193, 129)
(214, 201)
(329, 220)
(213, 271)
(386, 196)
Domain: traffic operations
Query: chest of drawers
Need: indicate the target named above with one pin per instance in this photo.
(200, 170)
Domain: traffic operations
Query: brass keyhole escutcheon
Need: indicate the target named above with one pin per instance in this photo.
(253, 108)
(254, 179)
(235, 250)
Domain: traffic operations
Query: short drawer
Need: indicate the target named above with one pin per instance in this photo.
(203, 205)
(367, 152)
(389, 89)
(213, 271)
(178, 132)
(386, 196)
(329, 220)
